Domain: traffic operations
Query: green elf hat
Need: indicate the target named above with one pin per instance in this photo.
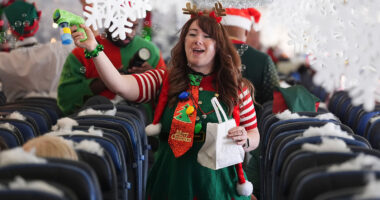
(23, 18)
(295, 98)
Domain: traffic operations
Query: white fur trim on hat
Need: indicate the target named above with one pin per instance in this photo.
(233, 20)
(244, 189)
(153, 129)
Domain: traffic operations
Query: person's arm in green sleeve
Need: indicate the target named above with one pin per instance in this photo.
(73, 86)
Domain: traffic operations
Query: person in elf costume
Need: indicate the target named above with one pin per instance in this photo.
(204, 64)
(257, 66)
(80, 79)
(31, 67)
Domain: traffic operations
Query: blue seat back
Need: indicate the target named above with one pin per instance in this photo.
(26, 129)
(114, 150)
(78, 177)
(318, 181)
(373, 134)
(105, 172)
(364, 121)
(11, 138)
(134, 135)
(115, 130)
(39, 115)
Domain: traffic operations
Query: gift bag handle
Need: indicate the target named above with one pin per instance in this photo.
(218, 109)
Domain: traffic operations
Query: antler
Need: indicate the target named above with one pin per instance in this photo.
(190, 10)
(219, 10)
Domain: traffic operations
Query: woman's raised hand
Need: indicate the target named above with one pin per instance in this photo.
(89, 44)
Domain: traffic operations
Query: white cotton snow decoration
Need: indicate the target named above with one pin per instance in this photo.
(20, 184)
(66, 132)
(327, 116)
(91, 111)
(327, 145)
(328, 129)
(284, 84)
(115, 12)
(96, 132)
(90, 131)
(370, 190)
(52, 95)
(373, 119)
(7, 126)
(70, 143)
(90, 146)
(111, 112)
(18, 156)
(323, 105)
(361, 162)
(117, 99)
(286, 114)
(64, 124)
(16, 115)
(341, 40)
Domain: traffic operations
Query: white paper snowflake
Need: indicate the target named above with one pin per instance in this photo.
(114, 15)
(342, 37)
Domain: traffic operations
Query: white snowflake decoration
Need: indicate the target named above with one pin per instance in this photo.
(103, 13)
(140, 7)
(342, 38)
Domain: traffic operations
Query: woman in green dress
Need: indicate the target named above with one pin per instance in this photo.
(204, 64)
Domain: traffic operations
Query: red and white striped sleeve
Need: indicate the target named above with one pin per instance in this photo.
(247, 111)
(149, 84)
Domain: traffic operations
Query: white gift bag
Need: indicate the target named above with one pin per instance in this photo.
(219, 151)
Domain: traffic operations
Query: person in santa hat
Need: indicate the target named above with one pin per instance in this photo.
(31, 67)
(257, 67)
(204, 65)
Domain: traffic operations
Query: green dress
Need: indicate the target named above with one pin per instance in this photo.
(183, 178)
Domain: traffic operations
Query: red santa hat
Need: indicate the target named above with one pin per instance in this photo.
(241, 17)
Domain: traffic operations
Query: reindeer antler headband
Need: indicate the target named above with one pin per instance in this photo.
(217, 11)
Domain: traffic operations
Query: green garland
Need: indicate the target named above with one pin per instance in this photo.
(94, 52)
